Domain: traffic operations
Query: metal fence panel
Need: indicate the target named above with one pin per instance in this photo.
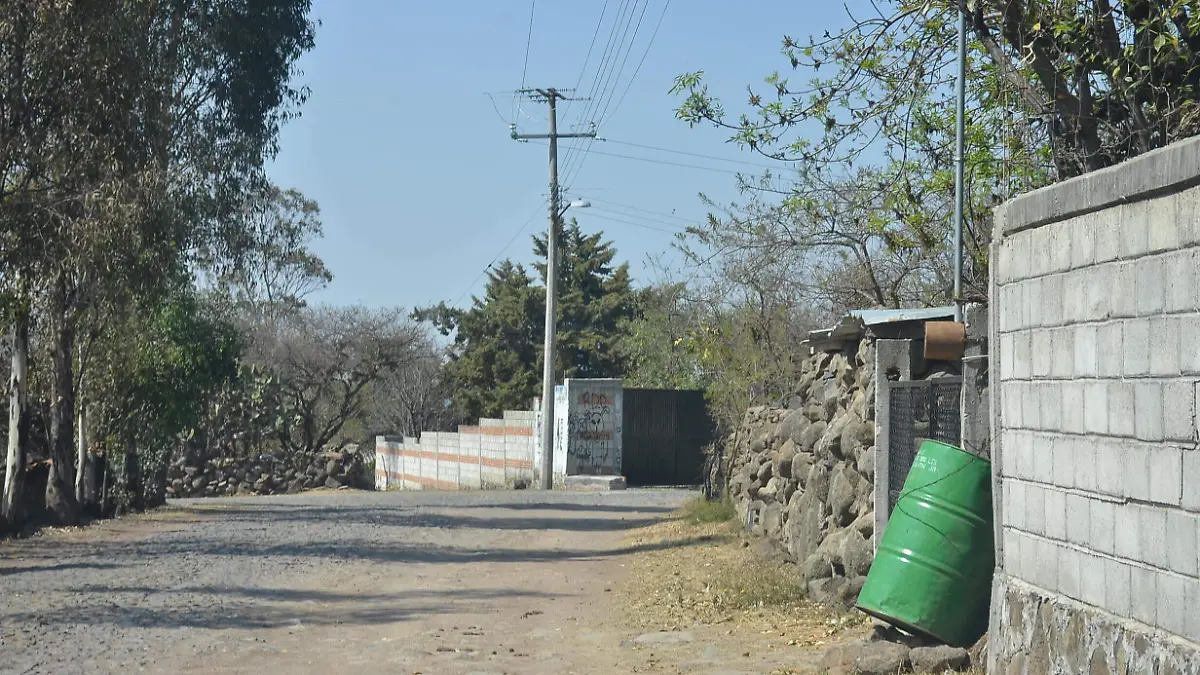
(919, 410)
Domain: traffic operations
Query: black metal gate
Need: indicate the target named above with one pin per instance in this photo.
(663, 436)
(919, 410)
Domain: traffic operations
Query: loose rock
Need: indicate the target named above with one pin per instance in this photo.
(939, 659)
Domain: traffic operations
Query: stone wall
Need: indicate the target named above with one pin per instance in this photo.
(1095, 321)
(267, 474)
(802, 475)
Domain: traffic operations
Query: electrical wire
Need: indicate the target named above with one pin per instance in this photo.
(658, 214)
(641, 225)
(641, 218)
(689, 154)
(604, 80)
(620, 71)
(528, 45)
(488, 268)
(643, 61)
(666, 163)
(589, 105)
(496, 108)
(588, 58)
(613, 82)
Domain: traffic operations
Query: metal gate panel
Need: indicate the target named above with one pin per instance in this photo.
(665, 433)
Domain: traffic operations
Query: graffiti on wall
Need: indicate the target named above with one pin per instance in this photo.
(593, 427)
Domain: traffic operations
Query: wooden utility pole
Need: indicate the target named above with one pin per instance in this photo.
(551, 96)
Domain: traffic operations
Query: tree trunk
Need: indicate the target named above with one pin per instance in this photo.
(85, 470)
(157, 489)
(60, 485)
(14, 477)
(131, 482)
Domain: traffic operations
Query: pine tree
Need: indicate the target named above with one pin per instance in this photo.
(496, 358)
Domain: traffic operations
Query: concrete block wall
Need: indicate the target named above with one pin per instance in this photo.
(519, 442)
(1095, 332)
(493, 454)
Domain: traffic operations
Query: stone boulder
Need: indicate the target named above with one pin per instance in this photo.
(843, 490)
(939, 659)
(805, 512)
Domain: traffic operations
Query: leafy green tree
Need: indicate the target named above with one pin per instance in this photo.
(156, 121)
(495, 360)
(658, 343)
(159, 370)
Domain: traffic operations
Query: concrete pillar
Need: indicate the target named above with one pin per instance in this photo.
(975, 410)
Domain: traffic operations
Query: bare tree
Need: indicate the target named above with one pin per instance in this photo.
(414, 397)
(326, 359)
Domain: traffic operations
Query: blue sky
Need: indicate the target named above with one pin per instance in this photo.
(420, 185)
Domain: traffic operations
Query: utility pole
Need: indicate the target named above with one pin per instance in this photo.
(551, 96)
(960, 122)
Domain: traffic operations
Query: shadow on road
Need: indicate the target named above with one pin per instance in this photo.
(398, 516)
(222, 607)
(60, 567)
(359, 549)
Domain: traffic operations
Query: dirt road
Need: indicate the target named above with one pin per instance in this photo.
(401, 582)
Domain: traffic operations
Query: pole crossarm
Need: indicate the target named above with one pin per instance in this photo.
(526, 137)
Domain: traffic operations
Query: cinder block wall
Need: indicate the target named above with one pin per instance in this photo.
(1095, 332)
(492, 455)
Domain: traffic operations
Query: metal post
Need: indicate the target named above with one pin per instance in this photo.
(959, 161)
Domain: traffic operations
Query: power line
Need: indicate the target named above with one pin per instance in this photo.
(689, 154)
(609, 50)
(528, 44)
(588, 58)
(659, 214)
(640, 218)
(641, 225)
(620, 71)
(612, 81)
(604, 79)
(663, 162)
(488, 268)
(644, 55)
(496, 107)
(588, 107)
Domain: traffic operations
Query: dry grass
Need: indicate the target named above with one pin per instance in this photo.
(700, 573)
(701, 511)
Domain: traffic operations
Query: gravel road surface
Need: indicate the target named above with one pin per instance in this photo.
(397, 582)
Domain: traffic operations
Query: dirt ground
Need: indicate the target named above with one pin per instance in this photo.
(400, 582)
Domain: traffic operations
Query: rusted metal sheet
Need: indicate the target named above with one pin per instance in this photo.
(945, 340)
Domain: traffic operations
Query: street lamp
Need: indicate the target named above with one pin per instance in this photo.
(578, 203)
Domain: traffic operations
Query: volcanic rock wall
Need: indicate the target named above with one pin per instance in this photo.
(803, 475)
(267, 474)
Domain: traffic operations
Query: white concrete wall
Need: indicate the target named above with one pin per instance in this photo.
(1096, 349)
(588, 426)
(491, 455)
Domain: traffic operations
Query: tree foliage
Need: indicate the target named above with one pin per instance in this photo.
(134, 133)
(495, 362)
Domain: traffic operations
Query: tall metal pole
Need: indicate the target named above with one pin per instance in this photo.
(547, 477)
(552, 96)
(959, 160)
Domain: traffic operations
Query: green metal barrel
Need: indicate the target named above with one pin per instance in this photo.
(932, 573)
